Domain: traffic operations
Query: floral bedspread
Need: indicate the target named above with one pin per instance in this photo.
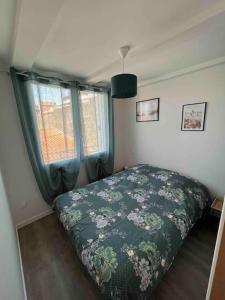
(127, 228)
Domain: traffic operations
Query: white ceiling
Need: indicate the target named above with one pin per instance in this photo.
(82, 37)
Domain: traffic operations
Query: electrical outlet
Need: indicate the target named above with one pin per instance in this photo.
(24, 204)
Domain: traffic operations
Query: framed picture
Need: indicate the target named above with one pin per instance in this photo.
(147, 110)
(193, 117)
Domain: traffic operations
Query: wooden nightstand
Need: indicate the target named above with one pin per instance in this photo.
(216, 206)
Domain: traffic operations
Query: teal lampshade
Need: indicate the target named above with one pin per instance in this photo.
(124, 86)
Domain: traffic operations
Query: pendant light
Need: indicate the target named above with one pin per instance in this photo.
(124, 85)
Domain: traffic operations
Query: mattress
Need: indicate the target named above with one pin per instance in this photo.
(127, 228)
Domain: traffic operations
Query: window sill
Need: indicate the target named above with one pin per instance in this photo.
(91, 155)
(83, 157)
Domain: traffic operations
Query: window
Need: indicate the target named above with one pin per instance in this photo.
(93, 121)
(55, 126)
(53, 111)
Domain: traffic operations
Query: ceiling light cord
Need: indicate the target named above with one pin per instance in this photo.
(123, 53)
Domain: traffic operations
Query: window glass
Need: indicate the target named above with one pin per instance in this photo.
(53, 111)
(94, 122)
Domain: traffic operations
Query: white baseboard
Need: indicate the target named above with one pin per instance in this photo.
(21, 266)
(34, 218)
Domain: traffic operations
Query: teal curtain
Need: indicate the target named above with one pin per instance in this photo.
(100, 165)
(54, 178)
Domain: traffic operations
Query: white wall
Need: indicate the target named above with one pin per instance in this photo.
(118, 133)
(198, 154)
(25, 198)
(21, 187)
(11, 280)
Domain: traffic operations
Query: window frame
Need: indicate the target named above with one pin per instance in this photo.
(78, 153)
(83, 89)
(34, 116)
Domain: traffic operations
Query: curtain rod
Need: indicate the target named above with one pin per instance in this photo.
(67, 82)
(41, 77)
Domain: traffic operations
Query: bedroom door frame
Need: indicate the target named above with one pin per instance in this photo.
(215, 288)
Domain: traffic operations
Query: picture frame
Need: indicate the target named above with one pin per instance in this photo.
(147, 110)
(193, 116)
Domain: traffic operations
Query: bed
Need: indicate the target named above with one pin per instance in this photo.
(127, 228)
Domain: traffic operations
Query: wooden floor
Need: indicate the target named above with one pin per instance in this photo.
(53, 272)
